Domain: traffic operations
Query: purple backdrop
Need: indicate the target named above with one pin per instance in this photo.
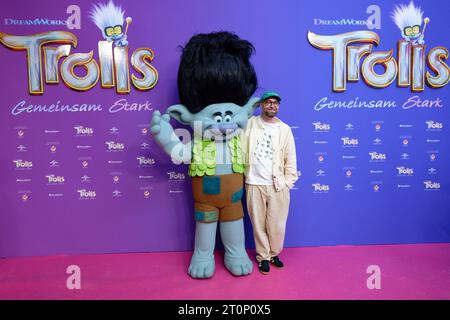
(148, 206)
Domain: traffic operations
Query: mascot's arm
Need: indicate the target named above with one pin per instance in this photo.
(165, 136)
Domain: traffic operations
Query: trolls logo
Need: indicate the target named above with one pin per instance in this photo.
(143, 161)
(410, 67)
(321, 127)
(317, 187)
(431, 185)
(113, 71)
(116, 146)
(55, 179)
(23, 164)
(403, 171)
(83, 131)
(176, 176)
(87, 194)
(433, 125)
(375, 156)
(352, 142)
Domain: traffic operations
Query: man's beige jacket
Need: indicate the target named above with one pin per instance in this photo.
(284, 157)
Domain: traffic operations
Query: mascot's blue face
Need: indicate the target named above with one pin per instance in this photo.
(221, 121)
(215, 83)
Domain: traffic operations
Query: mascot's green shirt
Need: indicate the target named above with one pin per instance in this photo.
(204, 157)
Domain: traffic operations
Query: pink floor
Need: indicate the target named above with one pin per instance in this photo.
(407, 272)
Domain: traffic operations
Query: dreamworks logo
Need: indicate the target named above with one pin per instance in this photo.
(35, 22)
(52, 179)
(349, 142)
(431, 185)
(321, 127)
(22, 164)
(375, 156)
(86, 194)
(404, 171)
(73, 21)
(372, 22)
(83, 131)
(320, 188)
(434, 126)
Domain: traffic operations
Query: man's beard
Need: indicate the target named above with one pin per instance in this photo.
(270, 114)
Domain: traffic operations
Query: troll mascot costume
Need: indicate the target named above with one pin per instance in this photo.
(215, 83)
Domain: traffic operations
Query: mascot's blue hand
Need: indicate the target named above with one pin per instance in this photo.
(161, 128)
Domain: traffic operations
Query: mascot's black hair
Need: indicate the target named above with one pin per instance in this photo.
(216, 68)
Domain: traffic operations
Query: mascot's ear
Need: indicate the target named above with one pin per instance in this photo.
(180, 113)
(251, 106)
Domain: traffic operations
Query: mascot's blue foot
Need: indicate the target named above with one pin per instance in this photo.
(201, 268)
(202, 261)
(233, 238)
(238, 266)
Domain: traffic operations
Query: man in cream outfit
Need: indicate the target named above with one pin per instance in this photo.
(271, 171)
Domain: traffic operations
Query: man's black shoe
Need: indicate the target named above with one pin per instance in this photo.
(264, 267)
(277, 262)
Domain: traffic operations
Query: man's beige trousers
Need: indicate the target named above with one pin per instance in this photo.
(268, 211)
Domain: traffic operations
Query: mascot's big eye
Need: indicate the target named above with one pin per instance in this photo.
(218, 119)
(227, 118)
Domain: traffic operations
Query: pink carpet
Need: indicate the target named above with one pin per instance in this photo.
(407, 272)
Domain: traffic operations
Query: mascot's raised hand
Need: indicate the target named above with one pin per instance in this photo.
(163, 132)
(161, 128)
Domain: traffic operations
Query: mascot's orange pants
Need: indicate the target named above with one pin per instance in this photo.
(218, 198)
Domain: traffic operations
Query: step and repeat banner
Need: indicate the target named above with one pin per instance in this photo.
(364, 87)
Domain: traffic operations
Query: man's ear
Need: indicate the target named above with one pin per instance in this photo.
(251, 106)
(180, 113)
